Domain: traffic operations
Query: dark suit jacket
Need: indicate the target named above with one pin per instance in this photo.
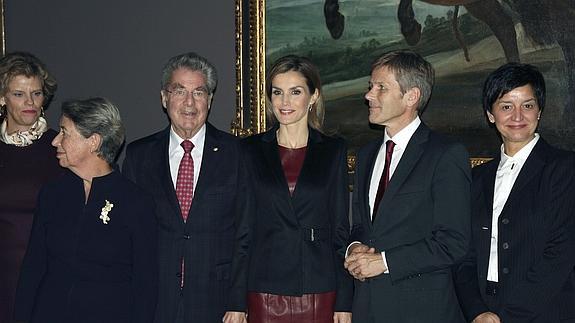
(206, 239)
(276, 251)
(78, 269)
(422, 224)
(535, 241)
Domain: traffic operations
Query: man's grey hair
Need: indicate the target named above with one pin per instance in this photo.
(410, 70)
(98, 116)
(193, 62)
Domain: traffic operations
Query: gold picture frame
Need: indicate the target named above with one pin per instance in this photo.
(2, 29)
(250, 42)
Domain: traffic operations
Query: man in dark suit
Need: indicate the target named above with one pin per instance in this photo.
(520, 267)
(191, 169)
(411, 214)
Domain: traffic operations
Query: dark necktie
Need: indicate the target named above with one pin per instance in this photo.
(384, 180)
(185, 186)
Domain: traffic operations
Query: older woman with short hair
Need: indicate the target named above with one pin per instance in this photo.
(92, 255)
(26, 161)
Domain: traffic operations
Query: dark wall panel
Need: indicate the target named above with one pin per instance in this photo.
(116, 49)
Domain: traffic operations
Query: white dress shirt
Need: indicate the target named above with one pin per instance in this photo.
(401, 139)
(176, 152)
(507, 172)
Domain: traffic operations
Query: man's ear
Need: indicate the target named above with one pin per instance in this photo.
(164, 99)
(412, 97)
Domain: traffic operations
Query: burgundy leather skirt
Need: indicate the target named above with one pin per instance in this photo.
(309, 308)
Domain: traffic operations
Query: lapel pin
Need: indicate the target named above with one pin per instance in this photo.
(216, 149)
(484, 228)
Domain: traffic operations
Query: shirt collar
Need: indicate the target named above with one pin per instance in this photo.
(402, 138)
(521, 156)
(198, 140)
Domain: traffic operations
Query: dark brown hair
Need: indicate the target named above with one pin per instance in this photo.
(310, 72)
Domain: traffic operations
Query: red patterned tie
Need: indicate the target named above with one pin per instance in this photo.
(185, 186)
(185, 181)
(384, 180)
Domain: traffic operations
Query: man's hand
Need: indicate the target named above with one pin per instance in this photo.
(362, 265)
(234, 317)
(487, 317)
(342, 317)
(357, 248)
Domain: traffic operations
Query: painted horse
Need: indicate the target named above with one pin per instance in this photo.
(491, 12)
(545, 22)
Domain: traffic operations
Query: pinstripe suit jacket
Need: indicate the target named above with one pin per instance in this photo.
(206, 239)
(535, 241)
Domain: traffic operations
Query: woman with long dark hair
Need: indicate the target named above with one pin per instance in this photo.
(294, 226)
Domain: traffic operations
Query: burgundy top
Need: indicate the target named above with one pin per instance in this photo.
(292, 161)
(23, 170)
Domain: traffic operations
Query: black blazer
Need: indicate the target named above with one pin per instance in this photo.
(206, 239)
(276, 250)
(423, 225)
(78, 269)
(536, 241)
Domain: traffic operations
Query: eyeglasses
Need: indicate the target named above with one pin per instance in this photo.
(182, 93)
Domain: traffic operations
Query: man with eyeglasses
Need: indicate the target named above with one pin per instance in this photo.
(191, 169)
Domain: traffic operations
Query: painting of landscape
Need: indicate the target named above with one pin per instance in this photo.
(372, 27)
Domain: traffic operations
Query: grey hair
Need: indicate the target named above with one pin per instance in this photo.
(193, 62)
(410, 70)
(98, 116)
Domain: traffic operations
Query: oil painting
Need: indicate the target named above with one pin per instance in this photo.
(463, 39)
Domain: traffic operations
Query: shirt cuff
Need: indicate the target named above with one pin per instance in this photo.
(351, 244)
(385, 262)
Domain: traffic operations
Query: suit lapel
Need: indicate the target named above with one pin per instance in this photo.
(210, 162)
(272, 159)
(371, 157)
(314, 156)
(271, 155)
(410, 157)
(488, 186)
(165, 177)
(532, 167)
